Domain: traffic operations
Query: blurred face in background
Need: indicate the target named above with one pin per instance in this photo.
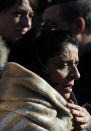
(16, 21)
(63, 70)
(52, 16)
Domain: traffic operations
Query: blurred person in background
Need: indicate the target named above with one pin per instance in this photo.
(16, 18)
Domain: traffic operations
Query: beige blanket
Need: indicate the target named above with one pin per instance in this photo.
(29, 103)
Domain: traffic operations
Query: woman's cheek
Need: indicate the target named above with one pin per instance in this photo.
(62, 74)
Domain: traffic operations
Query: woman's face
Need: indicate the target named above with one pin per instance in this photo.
(63, 70)
(16, 21)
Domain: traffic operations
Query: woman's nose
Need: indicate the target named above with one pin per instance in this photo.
(74, 73)
(26, 21)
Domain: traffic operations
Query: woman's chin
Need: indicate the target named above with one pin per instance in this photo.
(67, 96)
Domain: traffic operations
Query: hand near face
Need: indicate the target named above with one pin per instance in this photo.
(81, 116)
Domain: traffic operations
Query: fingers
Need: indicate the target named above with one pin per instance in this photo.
(81, 120)
(81, 116)
(76, 107)
(77, 113)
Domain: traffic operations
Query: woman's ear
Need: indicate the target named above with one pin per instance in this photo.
(80, 25)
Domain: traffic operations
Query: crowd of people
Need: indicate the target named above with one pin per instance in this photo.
(44, 48)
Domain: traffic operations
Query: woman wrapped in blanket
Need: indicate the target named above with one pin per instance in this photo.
(57, 56)
(30, 101)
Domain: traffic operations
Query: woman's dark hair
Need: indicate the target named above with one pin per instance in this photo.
(7, 4)
(36, 54)
(50, 44)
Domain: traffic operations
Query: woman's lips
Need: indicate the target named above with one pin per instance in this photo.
(22, 32)
(68, 89)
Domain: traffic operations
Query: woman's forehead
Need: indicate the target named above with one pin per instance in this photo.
(68, 53)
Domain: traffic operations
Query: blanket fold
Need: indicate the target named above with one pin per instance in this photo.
(28, 102)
